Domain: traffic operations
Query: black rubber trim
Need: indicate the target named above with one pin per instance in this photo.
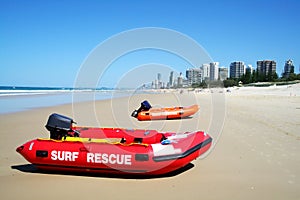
(184, 154)
(141, 157)
(41, 153)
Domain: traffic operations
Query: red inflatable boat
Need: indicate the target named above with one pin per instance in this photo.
(112, 150)
(146, 112)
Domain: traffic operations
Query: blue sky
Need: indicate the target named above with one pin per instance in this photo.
(44, 43)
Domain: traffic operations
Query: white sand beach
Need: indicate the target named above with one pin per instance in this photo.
(256, 153)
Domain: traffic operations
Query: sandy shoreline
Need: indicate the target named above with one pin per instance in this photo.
(256, 156)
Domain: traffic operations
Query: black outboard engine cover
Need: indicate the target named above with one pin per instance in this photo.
(145, 106)
(59, 126)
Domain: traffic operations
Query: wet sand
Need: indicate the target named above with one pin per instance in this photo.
(256, 153)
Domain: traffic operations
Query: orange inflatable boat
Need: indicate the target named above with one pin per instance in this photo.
(146, 112)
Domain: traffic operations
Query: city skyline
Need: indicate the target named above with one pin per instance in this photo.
(237, 69)
(46, 43)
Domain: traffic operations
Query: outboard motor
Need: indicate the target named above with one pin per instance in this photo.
(145, 106)
(60, 126)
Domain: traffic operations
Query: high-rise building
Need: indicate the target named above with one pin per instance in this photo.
(237, 69)
(266, 67)
(205, 72)
(288, 68)
(193, 75)
(159, 82)
(180, 80)
(155, 84)
(213, 71)
(249, 69)
(223, 73)
(159, 77)
(171, 79)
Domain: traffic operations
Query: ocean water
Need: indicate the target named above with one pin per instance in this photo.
(16, 99)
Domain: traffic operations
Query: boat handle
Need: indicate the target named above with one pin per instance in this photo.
(84, 149)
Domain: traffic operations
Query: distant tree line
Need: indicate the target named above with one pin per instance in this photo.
(255, 77)
(203, 84)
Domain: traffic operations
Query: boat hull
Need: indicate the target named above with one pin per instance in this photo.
(137, 151)
(167, 113)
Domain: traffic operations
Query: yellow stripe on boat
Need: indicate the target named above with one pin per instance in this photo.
(103, 140)
(95, 140)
